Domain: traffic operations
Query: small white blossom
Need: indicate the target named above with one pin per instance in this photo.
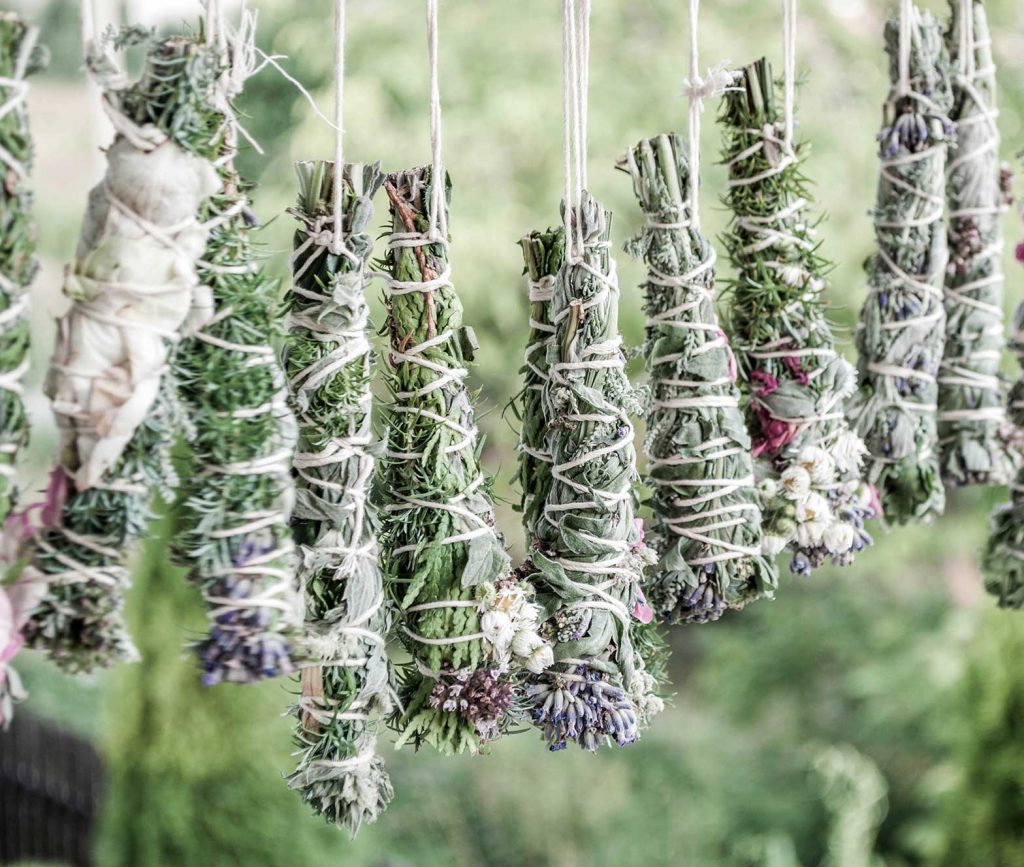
(536, 654)
(814, 508)
(497, 629)
(818, 463)
(849, 452)
(840, 537)
(796, 482)
(811, 534)
(772, 544)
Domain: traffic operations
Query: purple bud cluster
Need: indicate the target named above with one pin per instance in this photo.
(583, 707)
(700, 604)
(240, 648)
(479, 695)
(913, 132)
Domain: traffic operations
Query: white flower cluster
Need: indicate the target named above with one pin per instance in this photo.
(510, 622)
(808, 487)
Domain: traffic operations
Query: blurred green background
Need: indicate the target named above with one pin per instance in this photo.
(873, 715)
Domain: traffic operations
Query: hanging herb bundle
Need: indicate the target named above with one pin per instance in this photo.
(468, 623)
(590, 554)
(239, 493)
(543, 253)
(706, 507)
(329, 363)
(1003, 559)
(971, 415)
(20, 56)
(902, 322)
(794, 381)
(131, 288)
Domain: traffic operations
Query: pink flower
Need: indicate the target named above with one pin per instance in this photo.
(17, 601)
(641, 610)
(875, 504)
(769, 384)
(731, 363)
(797, 369)
(775, 434)
(56, 497)
(1019, 252)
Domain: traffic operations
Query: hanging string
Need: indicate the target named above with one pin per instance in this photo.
(88, 26)
(696, 90)
(789, 18)
(438, 220)
(906, 14)
(575, 81)
(339, 125)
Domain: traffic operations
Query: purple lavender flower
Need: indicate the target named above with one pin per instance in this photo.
(582, 706)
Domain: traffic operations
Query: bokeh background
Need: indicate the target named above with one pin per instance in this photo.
(869, 716)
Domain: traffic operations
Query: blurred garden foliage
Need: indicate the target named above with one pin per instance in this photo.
(869, 716)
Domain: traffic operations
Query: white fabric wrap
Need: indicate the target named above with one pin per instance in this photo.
(131, 289)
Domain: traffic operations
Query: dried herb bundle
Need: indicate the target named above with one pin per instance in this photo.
(590, 554)
(329, 363)
(902, 323)
(1003, 559)
(543, 253)
(20, 56)
(468, 623)
(238, 495)
(794, 381)
(131, 288)
(971, 416)
(707, 515)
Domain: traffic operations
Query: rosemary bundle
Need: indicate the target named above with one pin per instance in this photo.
(329, 363)
(902, 323)
(131, 287)
(1002, 562)
(590, 554)
(707, 517)
(794, 381)
(238, 495)
(468, 623)
(20, 56)
(543, 253)
(971, 416)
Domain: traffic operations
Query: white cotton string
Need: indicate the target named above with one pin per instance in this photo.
(695, 109)
(339, 122)
(789, 19)
(583, 34)
(88, 22)
(906, 15)
(438, 219)
(575, 78)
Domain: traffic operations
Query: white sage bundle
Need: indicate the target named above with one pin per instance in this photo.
(971, 416)
(131, 287)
